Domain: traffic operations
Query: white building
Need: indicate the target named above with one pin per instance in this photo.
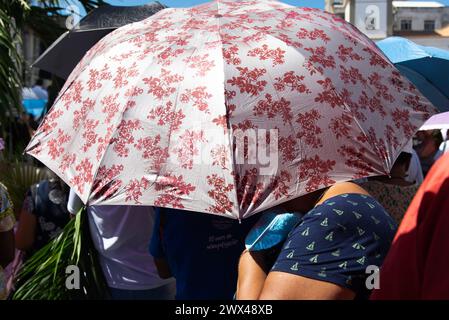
(426, 23)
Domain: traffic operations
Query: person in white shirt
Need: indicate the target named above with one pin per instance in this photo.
(39, 90)
(121, 235)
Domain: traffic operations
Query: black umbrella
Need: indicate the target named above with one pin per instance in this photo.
(65, 53)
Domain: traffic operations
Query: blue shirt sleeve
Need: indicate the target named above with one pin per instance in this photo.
(156, 248)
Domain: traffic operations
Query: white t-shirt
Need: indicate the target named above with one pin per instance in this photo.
(121, 235)
(415, 173)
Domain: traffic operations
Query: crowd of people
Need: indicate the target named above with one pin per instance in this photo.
(158, 253)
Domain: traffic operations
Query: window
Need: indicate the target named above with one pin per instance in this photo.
(406, 25)
(429, 25)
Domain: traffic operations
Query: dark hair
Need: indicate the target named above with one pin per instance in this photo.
(39, 82)
(403, 159)
(437, 137)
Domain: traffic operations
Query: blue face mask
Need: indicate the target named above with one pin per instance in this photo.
(271, 229)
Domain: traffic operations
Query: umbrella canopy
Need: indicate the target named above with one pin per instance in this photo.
(426, 67)
(228, 108)
(437, 122)
(65, 53)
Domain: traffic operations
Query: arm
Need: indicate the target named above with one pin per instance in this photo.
(26, 232)
(251, 278)
(6, 247)
(285, 286)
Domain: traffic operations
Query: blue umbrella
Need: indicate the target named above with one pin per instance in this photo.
(426, 67)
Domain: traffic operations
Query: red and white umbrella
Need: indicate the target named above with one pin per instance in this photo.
(228, 108)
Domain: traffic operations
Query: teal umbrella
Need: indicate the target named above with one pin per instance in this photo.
(426, 67)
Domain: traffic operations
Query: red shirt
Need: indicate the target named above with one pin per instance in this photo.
(417, 265)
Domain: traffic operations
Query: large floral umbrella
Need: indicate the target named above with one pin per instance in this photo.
(228, 108)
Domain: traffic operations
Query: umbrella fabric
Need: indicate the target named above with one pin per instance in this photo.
(426, 67)
(438, 121)
(65, 53)
(157, 112)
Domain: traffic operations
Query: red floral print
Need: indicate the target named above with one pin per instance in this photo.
(351, 75)
(56, 145)
(50, 121)
(264, 53)
(84, 175)
(125, 136)
(67, 160)
(198, 96)
(200, 63)
(378, 144)
(292, 81)
(219, 155)
(167, 116)
(230, 53)
(271, 108)
(187, 147)
(313, 34)
(89, 135)
(123, 74)
(134, 189)
(347, 53)
(288, 147)
(152, 150)
(219, 194)
(401, 119)
(376, 59)
(374, 104)
(106, 183)
(249, 191)
(279, 185)
(356, 159)
(316, 172)
(162, 87)
(382, 90)
(318, 60)
(103, 142)
(340, 126)
(328, 94)
(248, 81)
(97, 76)
(79, 116)
(165, 58)
(309, 130)
(110, 106)
(173, 190)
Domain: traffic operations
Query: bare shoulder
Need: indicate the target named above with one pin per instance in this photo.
(342, 188)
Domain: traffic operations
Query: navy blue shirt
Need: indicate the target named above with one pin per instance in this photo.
(202, 251)
(337, 240)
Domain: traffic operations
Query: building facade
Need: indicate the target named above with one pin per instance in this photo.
(425, 23)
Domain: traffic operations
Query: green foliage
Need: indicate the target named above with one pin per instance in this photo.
(43, 276)
(43, 18)
(18, 177)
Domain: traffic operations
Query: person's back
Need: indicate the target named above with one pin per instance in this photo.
(121, 235)
(201, 250)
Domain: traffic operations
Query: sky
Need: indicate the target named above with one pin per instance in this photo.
(188, 3)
